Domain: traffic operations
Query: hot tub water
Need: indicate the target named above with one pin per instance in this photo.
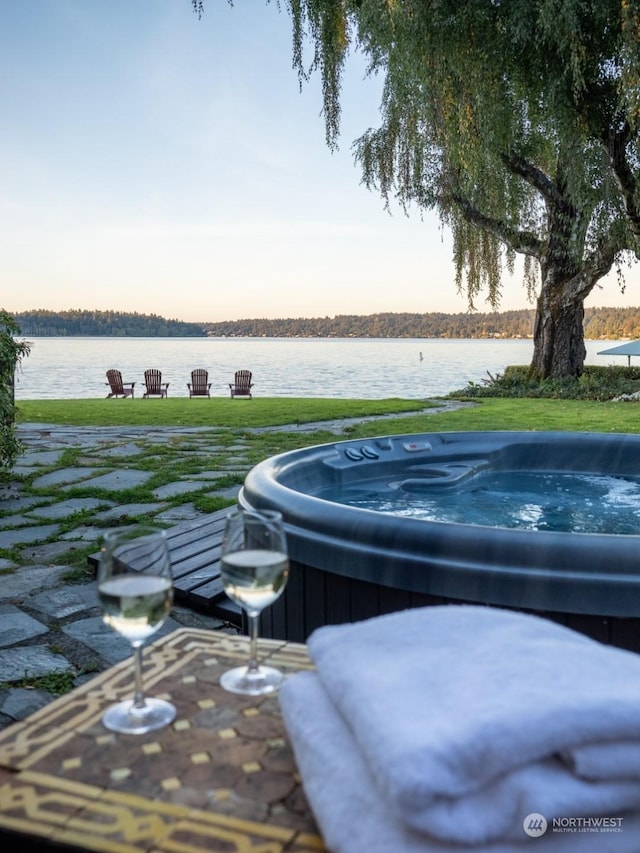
(525, 500)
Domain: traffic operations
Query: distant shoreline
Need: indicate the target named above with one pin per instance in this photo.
(308, 338)
(599, 324)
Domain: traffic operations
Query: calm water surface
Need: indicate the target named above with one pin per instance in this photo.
(64, 368)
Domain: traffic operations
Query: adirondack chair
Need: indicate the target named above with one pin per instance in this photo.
(154, 384)
(242, 384)
(199, 385)
(118, 388)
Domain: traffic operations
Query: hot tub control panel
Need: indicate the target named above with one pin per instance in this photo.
(416, 446)
(364, 452)
(377, 449)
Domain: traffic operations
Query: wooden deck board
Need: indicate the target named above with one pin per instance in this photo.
(187, 564)
(195, 549)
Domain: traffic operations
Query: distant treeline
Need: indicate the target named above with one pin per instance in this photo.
(109, 323)
(599, 323)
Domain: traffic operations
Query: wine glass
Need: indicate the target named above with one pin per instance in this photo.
(255, 567)
(135, 588)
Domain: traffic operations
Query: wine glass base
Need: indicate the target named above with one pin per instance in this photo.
(241, 680)
(128, 720)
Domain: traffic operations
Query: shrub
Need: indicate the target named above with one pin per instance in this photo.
(596, 383)
(11, 353)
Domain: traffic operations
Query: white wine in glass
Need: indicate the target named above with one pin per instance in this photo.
(255, 568)
(135, 588)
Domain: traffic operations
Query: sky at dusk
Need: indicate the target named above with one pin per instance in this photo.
(158, 163)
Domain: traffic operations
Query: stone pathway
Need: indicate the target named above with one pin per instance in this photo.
(50, 625)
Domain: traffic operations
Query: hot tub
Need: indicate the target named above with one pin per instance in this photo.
(350, 563)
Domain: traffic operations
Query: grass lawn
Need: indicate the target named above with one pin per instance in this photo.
(519, 414)
(485, 414)
(204, 411)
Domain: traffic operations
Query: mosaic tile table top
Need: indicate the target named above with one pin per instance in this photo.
(221, 778)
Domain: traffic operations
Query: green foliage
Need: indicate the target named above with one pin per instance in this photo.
(80, 573)
(107, 323)
(208, 503)
(599, 323)
(57, 683)
(596, 383)
(11, 353)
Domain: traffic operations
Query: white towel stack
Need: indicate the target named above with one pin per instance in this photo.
(444, 728)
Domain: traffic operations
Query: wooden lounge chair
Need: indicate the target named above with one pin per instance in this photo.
(199, 385)
(154, 384)
(118, 388)
(242, 384)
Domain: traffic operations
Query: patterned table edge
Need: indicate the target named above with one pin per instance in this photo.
(62, 811)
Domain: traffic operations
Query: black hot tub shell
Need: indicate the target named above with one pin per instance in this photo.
(350, 563)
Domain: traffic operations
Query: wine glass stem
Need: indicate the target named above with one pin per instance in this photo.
(138, 699)
(252, 618)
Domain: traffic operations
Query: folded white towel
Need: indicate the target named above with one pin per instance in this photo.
(461, 711)
(620, 760)
(354, 817)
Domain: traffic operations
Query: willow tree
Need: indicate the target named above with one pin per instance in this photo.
(516, 120)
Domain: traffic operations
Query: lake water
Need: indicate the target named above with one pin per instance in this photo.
(74, 367)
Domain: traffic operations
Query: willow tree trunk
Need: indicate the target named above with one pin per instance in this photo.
(558, 336)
